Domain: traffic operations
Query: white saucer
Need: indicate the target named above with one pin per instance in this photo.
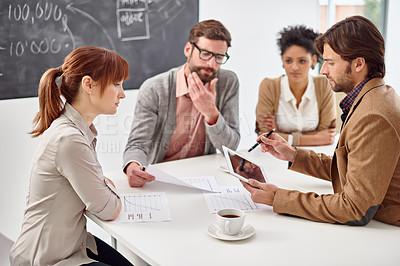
(246, 232)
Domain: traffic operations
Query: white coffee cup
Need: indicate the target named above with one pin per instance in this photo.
(230, 221)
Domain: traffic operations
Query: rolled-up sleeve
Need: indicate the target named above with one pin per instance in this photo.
(78, 163)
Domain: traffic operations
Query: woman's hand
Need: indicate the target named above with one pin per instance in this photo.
(322, 137)
(326, 136)
(268, 122)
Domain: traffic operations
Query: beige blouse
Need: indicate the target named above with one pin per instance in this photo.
(66, 179)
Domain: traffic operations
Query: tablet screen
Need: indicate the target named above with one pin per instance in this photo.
(245, 168)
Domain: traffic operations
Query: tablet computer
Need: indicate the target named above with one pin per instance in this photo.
(243, 168)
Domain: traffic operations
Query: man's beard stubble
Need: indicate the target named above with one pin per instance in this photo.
(343, 84)
(203, 77)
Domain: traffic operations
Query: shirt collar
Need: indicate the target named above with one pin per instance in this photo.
(308, 94)
(181, 84)
(89, 132)
(348, 101)
(287, 93)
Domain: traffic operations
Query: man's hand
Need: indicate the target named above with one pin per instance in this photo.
(261, 192)
(250, 171)
(277, 146)
(203, 97)
(136, 176)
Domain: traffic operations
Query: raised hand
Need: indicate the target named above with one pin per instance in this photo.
(203, 97)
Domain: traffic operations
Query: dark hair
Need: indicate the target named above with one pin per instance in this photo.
(211, 29)
(354, 37)
(298, 35)
(102, 65)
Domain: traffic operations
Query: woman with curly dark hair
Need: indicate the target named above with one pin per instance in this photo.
(300, 107)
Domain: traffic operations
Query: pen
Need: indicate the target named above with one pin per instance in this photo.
(258, 142)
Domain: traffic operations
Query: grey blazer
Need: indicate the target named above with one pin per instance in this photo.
(155, 112)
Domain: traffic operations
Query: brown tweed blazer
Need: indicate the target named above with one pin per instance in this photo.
(364, 170)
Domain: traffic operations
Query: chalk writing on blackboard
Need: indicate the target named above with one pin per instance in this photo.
(133, 20)
(38, 34)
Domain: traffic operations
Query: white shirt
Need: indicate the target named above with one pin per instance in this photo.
(289, 118)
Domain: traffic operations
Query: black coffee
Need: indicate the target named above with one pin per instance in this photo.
(230, 216)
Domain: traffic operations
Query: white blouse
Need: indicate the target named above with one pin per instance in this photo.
(291, 119)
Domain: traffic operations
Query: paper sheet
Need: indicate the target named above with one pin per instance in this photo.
(208, 183)
(232, 197)
(144, 207)
(205, 183)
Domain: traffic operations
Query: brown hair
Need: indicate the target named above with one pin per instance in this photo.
(102, 65)
(354, 37)
(211, 29)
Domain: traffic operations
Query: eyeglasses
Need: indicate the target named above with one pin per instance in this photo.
(207, 55)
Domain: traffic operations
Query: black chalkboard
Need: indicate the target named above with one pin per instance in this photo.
(37, 34)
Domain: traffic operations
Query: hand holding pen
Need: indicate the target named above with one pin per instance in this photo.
(278, 147)
(258, 142)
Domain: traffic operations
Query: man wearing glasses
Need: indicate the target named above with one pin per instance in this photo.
(187, 111)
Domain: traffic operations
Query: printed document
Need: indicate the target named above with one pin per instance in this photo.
(205, 183)
(144, 207)
(232, 197)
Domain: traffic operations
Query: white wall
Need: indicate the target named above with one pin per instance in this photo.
(392, 56)
(254, 55)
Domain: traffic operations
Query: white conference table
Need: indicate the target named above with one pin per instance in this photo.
(278, 239)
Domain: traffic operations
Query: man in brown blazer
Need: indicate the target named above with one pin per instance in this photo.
(365, 167)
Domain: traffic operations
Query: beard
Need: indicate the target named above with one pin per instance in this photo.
(205, 78)
(343, 84)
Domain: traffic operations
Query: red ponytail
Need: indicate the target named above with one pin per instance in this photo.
(102, 65)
